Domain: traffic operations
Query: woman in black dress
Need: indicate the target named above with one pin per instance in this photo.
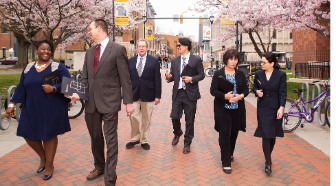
(229, 107)
(271, 88)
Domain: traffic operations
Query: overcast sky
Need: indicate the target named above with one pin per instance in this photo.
(167, 8)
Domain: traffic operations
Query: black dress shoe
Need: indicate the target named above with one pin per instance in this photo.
(227, 171)
(131, 144)
(268, 169)
(47, 177)
(40, 169)
(145, 146)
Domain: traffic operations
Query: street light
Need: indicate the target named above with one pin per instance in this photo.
(212, 18)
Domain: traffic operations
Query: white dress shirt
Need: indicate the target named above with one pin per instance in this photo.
(187, 60)
(143, 61)
(103, 46)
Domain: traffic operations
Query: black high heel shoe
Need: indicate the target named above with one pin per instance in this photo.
(227, 171)
(268, 169)
(40, 169)
(47, 177)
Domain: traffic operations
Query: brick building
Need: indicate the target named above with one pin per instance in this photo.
(7, 41)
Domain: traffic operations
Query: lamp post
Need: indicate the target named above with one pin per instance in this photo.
(113, 22)
(212, 18)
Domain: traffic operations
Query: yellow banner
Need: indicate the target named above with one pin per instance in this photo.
(149, 32)
(226, 22)
(121, 12)
(121, 21)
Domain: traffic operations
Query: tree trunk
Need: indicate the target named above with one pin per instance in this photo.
(23, 51)
(256, 48)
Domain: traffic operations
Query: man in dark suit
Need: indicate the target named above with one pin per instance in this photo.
(106, 71)
(146, 86)
(185, 91)
(160, 61)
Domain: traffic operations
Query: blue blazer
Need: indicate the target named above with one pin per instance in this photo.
(148, 86)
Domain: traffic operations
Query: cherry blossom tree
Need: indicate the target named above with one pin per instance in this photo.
(63, 22)
(257, 16)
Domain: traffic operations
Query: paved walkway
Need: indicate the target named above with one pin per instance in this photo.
(295, 161)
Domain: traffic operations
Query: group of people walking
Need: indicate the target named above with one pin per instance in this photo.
(106, 70)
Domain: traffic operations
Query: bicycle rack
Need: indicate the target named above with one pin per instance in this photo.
(17, 105)
(77, 77)
(313, 103)
(305, 84)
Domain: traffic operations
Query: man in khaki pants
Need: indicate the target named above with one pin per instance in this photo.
(146, 87)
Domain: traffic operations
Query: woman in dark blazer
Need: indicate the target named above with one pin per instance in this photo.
(229, 107)
(271, 88)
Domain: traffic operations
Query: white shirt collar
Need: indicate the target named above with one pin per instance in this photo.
(187, 56)
(104, 42)
(144, 57)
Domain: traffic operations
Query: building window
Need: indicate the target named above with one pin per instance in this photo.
(274, 34)
(3, 52)
(4, 28)
(291, 35)
(274, 47)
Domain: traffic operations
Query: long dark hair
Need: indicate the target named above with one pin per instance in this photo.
(271, 58)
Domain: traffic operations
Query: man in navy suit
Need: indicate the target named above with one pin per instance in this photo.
(146, 87)
(185, 91)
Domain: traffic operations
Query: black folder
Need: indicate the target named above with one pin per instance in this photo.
(259, 85)
(51, 79)
(224, 85)
(188, 71)
(70, 86)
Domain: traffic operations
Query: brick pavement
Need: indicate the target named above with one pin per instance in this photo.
(295, 162)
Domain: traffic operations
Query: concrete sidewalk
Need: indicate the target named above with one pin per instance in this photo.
(295, 161)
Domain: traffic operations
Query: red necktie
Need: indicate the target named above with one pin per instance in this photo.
(96, 58)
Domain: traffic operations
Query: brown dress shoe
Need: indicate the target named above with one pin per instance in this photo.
(176, 140)
(94, 174)
(186, 149)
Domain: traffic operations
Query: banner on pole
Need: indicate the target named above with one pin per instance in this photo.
(121, 12)
(226, 22)
(149, 32)
(206, 32)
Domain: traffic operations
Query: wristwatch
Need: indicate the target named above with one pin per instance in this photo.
(54, 89)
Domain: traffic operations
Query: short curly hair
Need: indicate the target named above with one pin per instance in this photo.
(48, 42)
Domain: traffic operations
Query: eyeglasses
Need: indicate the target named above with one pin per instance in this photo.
(263, 63)
(91, 28)
(141, 46)
(178, 46)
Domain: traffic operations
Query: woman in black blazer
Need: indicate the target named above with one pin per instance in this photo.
(271, 88)
(229, 107)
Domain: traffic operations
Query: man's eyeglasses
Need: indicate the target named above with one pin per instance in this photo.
(141, 46)
(91, 28)
(178, 46)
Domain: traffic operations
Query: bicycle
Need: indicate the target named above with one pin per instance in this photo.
(210, 71)
(293, 115)
(76, 108)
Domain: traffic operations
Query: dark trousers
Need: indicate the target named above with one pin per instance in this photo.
(94, 125)
(181, 103)
(228, 134)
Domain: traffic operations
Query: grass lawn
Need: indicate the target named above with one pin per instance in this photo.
(6, 81)
(287, 71)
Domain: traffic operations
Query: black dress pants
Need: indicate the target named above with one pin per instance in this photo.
(228, 134)
(181, 103)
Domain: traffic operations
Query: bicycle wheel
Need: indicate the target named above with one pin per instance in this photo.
(290, 123)
(327, 114)
(207, 72)
(75, 109)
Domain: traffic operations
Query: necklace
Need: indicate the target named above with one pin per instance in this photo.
(40, 67)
